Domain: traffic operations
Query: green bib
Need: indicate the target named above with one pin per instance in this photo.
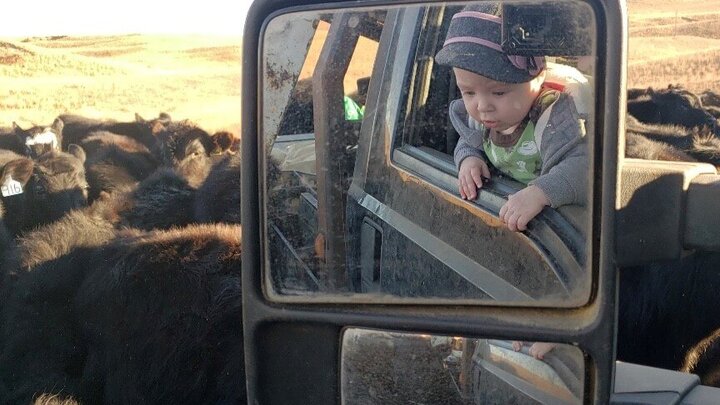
(521, 161)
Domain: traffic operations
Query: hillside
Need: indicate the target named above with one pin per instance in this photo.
(195, 77)
(675, 41)
(198, 77)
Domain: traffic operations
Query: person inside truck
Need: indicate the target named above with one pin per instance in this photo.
(510, 118)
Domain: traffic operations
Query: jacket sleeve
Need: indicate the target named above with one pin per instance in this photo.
(470, 142)
(563, 149)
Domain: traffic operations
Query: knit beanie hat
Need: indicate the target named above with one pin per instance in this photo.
(473, 44)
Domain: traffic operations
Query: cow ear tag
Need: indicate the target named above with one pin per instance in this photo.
(11, 187)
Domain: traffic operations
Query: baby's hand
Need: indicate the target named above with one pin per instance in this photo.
(470, 176)
(540, 349)
(523, 206)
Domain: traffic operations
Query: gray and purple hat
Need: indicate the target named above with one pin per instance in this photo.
(473, 44)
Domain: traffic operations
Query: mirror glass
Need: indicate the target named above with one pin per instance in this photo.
(407, 160)
(382, 367)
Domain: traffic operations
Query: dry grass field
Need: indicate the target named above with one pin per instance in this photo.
(193, 77)
(674, 41)
(198, 77)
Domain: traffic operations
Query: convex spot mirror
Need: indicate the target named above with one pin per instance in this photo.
(380, 366)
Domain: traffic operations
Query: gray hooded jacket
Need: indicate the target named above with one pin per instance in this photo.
(563, 150)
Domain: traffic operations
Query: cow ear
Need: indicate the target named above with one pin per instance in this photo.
(77, 151)
(139, 119)
(164, 118)
(19, 132)
(222, 141)
(19, 170)
(58, 125)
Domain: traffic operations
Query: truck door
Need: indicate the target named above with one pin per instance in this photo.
(367, 279)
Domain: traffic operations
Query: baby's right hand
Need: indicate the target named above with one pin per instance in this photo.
(470, 176)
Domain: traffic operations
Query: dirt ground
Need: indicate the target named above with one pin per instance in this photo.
(405, 369)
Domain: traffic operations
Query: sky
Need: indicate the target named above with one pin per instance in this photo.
(23, 18)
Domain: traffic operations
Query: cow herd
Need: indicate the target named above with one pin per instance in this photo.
(120, 259)
(120, 268)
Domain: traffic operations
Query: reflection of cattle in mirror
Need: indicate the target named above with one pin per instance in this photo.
(41, 191)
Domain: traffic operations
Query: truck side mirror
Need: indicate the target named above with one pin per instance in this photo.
(352, 215)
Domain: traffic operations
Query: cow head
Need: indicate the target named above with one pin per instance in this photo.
(705, 147)
(148, 130)
(156, 124)
(673, 105)
(39, 139)
(41, 191)
(188, 149)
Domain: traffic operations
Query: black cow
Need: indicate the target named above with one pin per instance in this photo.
(704, 360)
(115, 162)
(40, 338)
(34, 141)
(78, 127)
(43, 271)
(710, 98)
(41, 191)
(670, 142)
(38, 332)
(188, 149)
(6, 238)
(218, 199)
(667, 308)
(161, 314)
(674, 105)
(711, 102)
(162, 201)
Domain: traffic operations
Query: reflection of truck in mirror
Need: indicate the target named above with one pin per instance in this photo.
(360, 194)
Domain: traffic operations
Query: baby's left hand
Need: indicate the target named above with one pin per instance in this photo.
(523, 206)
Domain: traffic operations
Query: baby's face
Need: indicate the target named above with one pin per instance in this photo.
(497, 105)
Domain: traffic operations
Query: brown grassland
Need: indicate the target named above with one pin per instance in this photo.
(198, 77)
(674, 42)
(193, 77)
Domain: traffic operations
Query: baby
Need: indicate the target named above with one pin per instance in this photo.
(508, 115)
